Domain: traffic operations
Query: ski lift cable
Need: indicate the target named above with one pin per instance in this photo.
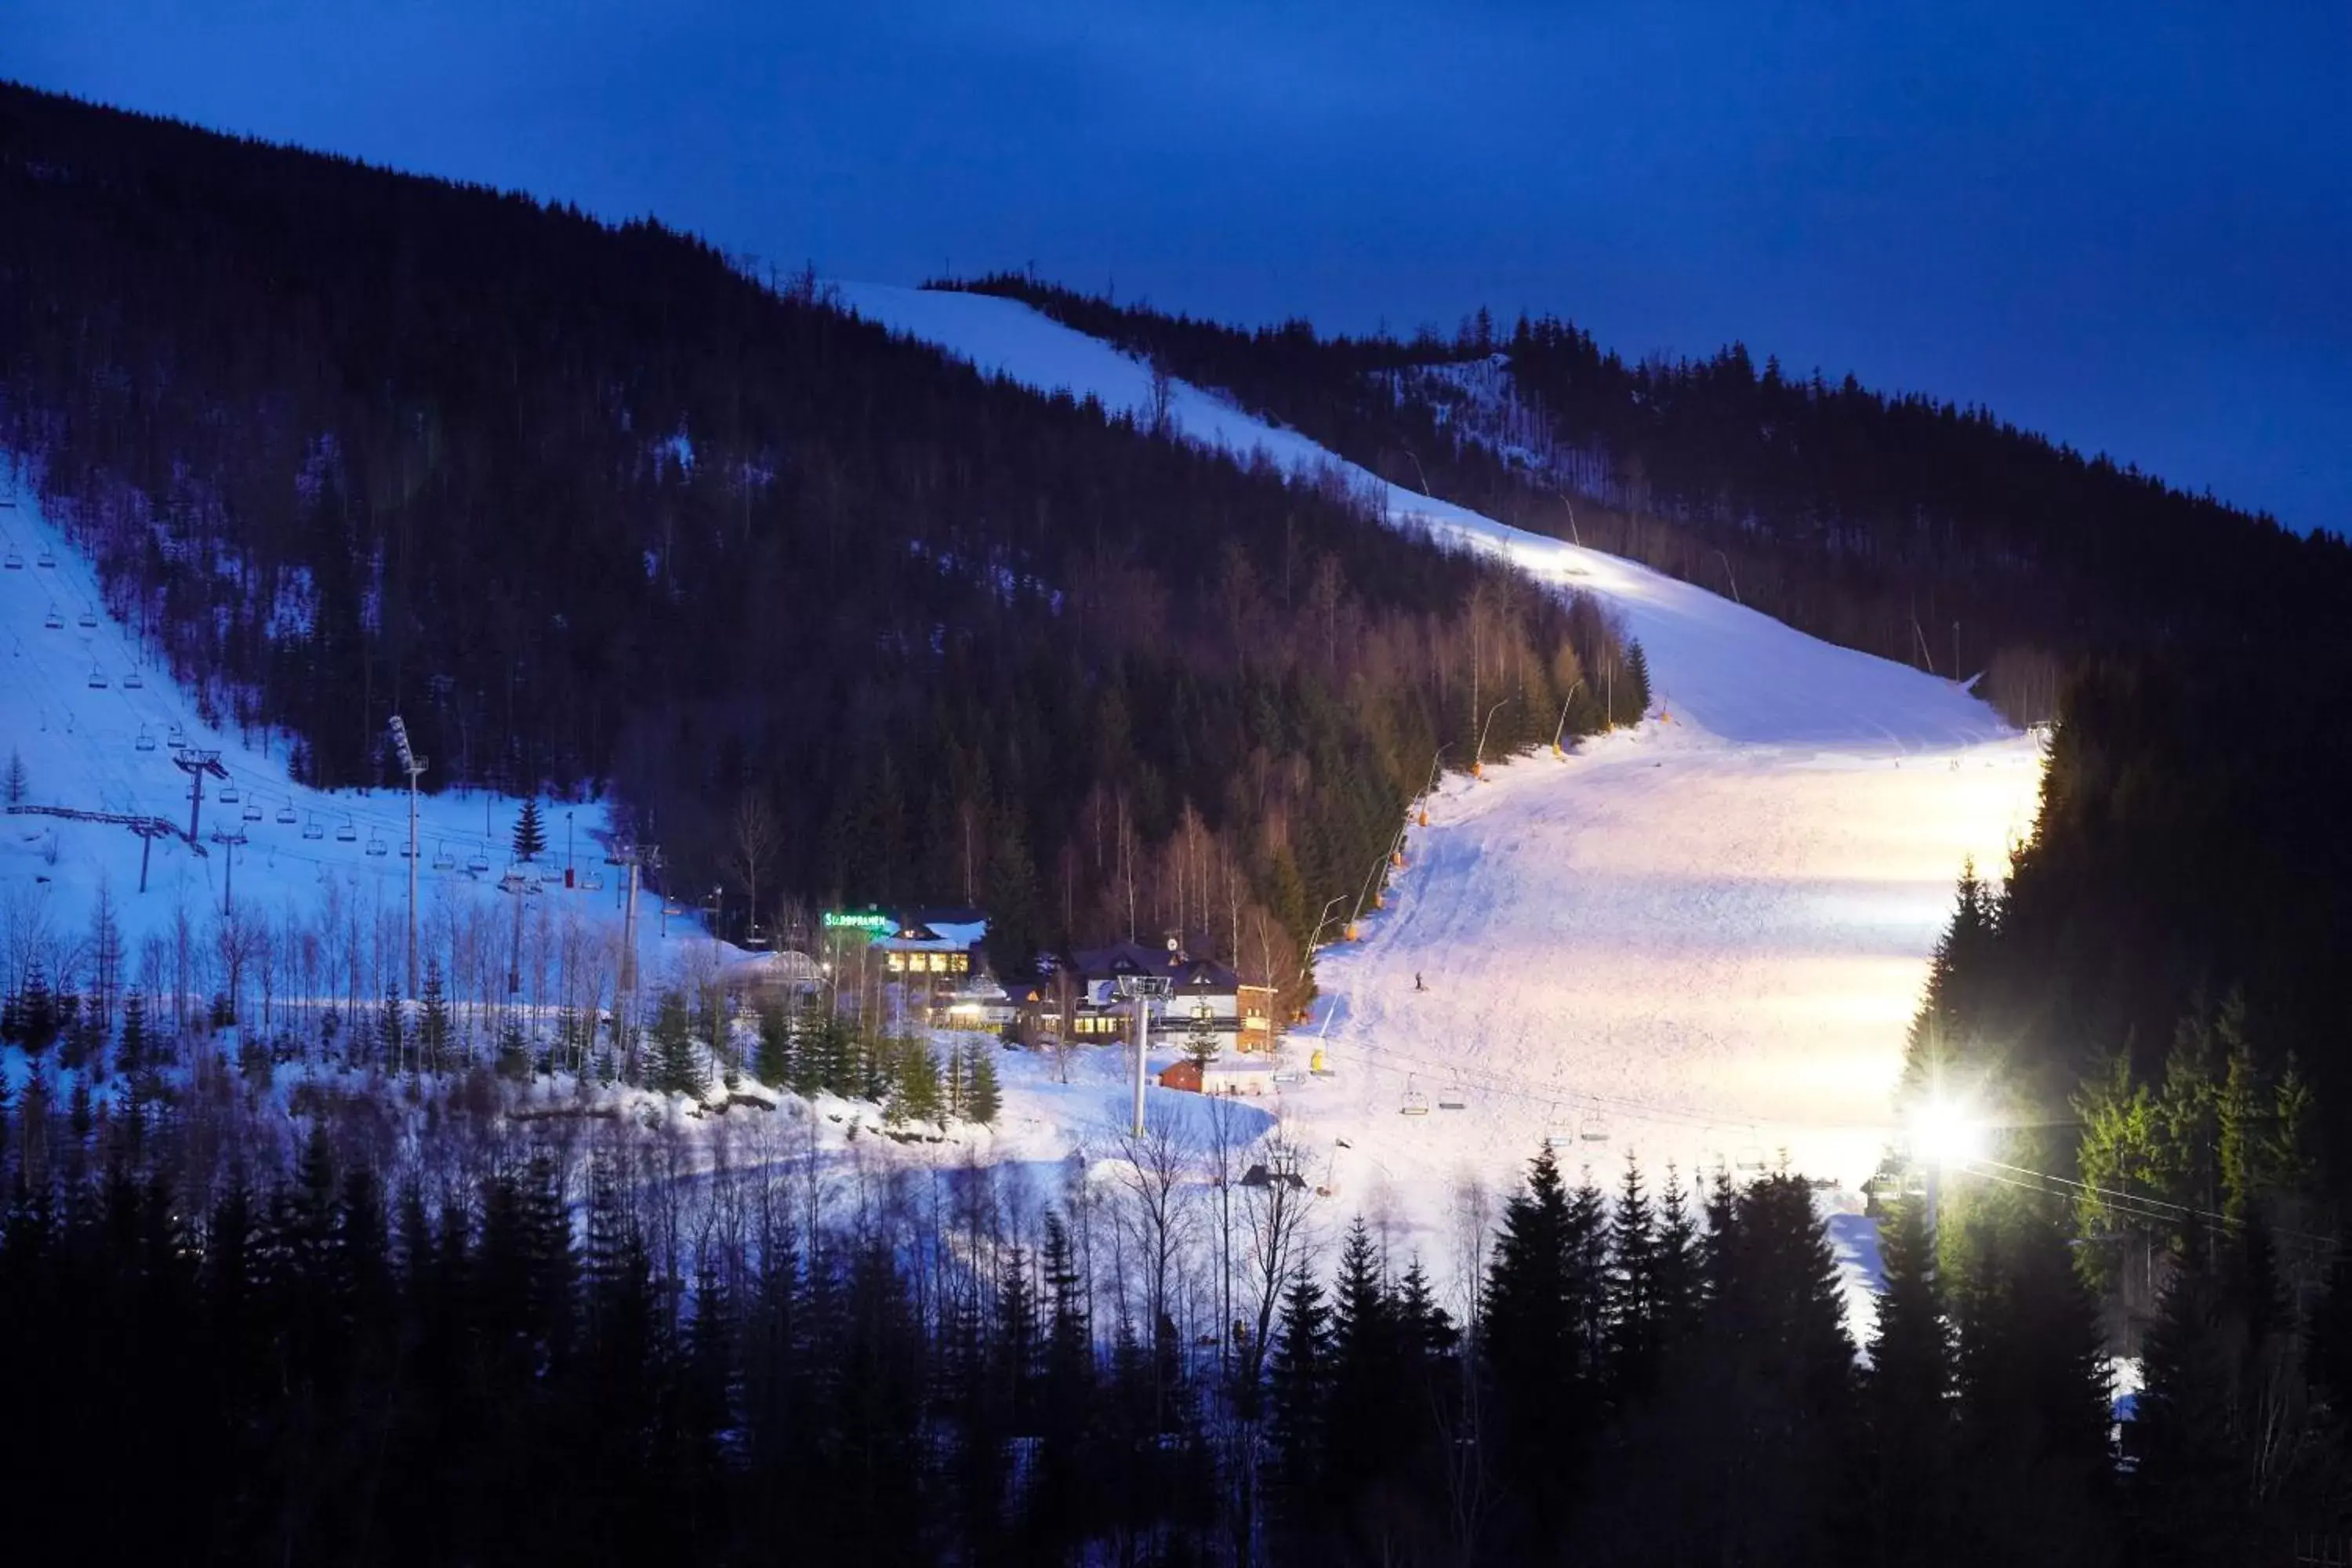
(2149, 1208)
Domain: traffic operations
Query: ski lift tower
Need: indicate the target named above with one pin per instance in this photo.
(413, 766)
(1140, 989)
(198, 766)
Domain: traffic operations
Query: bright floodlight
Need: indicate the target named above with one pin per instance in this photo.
(1948, 1133)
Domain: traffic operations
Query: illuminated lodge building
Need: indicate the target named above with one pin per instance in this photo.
(1203, 994)
(940, 944)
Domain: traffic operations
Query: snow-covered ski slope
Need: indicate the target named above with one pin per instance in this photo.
(1700, 941)
(96, 723)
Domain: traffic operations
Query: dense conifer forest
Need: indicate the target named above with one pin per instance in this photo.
(595, 509)
(224, 1337)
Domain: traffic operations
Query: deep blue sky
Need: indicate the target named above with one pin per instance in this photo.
(2127, 224)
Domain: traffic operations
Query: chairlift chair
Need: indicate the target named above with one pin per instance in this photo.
(478, 863)
(441, 860)
(1594, 1129)
(1751, 1161)
(1415, 1102)
(593, 883)
(54, 621)
(132, 680)
(375, 843)
(45, 562)
(229, 794)
(98, 681)
(314, 828)
(146, 741)
(253, 811)
(346, 834)
(14, 561)
(285, 817)
(550, 878)
(1454, 1098)
(177, 740)
(88, 620)
(1557, 1134)
(407, 850)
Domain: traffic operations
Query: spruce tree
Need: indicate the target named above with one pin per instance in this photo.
(17, 785)
(1530, 1342)
(1631, 1296)
(1299, 1375)
(677, 1066)
(393, 1030)
(983, 1100)
(433, 1021)
(530, 833)
(514, 1049)
(772, 1063)
(131, 1045)
(2033, 1405)
(1907, 1398)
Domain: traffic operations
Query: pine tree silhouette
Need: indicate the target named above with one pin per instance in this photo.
(529, 834)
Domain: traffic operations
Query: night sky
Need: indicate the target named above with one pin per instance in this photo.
(2128, 224)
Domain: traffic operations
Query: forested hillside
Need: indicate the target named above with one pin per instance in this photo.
(1902, 525)
(830, 615)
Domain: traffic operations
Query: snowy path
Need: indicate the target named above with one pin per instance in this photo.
(1702, 938)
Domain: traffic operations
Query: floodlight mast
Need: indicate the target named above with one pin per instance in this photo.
(413, 766)
(1140, 989)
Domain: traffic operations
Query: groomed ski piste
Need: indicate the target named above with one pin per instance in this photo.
(1698, 941)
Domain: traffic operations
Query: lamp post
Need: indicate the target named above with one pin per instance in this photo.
(1140, 989)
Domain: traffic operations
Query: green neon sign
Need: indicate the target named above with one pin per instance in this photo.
(842, 919)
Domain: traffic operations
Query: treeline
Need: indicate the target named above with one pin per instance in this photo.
(587, 1342)
(591, 507)
(1902, 525)
(317, 994)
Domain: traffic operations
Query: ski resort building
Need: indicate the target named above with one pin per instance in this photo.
(1203, 994)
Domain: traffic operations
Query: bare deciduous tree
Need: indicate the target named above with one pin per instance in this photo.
(753, 838)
